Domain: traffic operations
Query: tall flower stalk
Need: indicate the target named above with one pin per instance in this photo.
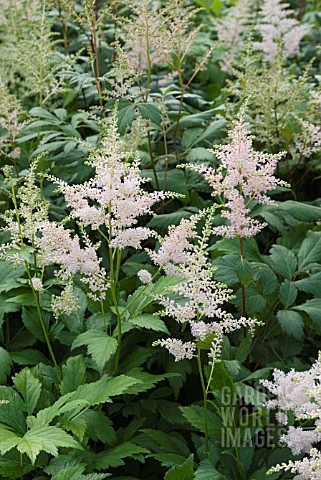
(201, 300)
(111, 203)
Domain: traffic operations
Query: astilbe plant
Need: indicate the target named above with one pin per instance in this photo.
(12, 121)
(243, 176)
(112, 203)
(201, 300)
(299, 393)
(36, 242)
(232, 30)
(31, 28)
(278, 27)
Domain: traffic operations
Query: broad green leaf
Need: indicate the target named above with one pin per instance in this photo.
(216, 6)
(9, 275)
(195, 119)
(312, 308)
(226, 272)
(126, 116)
(169, 459)
(232, 246)
(232, 366)
(7, 306)
(310, 284)
(199, 154)
(150, 112)
(301, 211)
(291, 323)
(266, 280)
(13, 412)
(243, 350)
(206, 471)
(75, 473)
(288, 293)
(255, 302)
(175, 180)
(310, 251)
(73, 374)
(183, 472)
(173, 218)
(29, 387)
(99, 427)
(101, 391)
(5, 365)
(145, 295)
(213, 132)
(194, 414)
(100, 346)
(113, 457)
(144, 381)
(167, 442)
(244, 272)
(62, 405)
(150, 322)
(283, 261)
(29, 356)
(45, 438)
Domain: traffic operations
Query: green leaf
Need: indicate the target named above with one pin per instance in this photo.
(288, 293)
(29, 387)
(150, 322)
(312, 308)
(213, 132)
(217, 6)
(301, 211)
(100, 346)
(243, 350)
(266, 280)
(310, 284)
(75, 473)
(99, 392)
(9, 276)
(175, 180)
(13, 412)
(194, 414)
(195, 119)
(199, 154)
(244, 272)
(113, 457)
(283, 261)
(206, 471)
(310, 251)
(73, 374)
(150, 112)
(291, 323)
(99, 427)
(232, 246)
(5, 365)
(183, 472)
(226, 272)
(126, 116)
(7, 306)
(144, 296)
(173, 218)
(45, 438)
(255, 302)
(29, 356)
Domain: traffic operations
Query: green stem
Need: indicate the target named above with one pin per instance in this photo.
(205, 390)
(42, 323)
(35, 294)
